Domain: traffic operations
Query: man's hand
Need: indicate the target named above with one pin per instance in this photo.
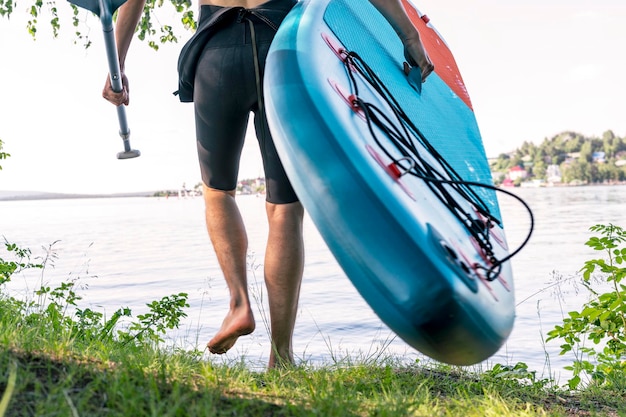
(116, 98)
(416, 55)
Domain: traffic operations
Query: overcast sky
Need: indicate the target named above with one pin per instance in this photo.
(533, 69)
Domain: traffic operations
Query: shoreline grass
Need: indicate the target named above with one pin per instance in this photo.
(172, 385)
(57, 359)
(55, 375)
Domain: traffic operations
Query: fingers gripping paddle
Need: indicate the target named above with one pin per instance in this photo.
(105, 9)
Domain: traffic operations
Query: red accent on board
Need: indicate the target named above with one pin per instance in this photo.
(338, 49)
(394, 171)
(478, 273)
(488, 262)
(391, 170)
(495, 231)
(350, 99)
(440, 55)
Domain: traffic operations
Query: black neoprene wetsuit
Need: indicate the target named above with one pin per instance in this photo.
(228, 85)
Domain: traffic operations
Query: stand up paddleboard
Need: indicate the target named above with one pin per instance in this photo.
(394, 176)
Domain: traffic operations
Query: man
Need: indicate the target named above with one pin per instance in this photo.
(226, 90)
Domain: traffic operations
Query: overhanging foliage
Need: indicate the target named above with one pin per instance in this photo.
(149, 29)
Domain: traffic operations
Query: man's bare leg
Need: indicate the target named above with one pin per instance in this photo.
(228, 235)
(284, 263)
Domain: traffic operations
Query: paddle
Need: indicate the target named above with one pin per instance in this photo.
(105, 9)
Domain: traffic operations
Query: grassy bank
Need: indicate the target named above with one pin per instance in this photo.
(53, 363)
(57, 359)
(56, 380)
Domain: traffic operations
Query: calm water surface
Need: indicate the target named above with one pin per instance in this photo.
(130, 251)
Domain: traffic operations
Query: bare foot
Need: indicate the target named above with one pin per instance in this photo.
(281, 359)
(234, 325)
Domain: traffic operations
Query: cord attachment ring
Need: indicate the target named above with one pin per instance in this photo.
(397, 170)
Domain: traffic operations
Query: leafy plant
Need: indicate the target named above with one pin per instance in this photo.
(602, 320)
(164, 314)
(3, 155)
(55, 309)
(22, 261)
(518, 372)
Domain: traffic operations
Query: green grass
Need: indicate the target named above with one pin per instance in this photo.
(57, 376)
(59, 360)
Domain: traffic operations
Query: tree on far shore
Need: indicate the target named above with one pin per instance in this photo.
(579, 158)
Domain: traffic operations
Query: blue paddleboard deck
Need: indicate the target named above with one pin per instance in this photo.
(407, 253)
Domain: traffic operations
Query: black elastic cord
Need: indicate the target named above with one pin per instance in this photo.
(441, 179)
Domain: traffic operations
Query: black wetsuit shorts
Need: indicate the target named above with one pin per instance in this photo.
(227, 88)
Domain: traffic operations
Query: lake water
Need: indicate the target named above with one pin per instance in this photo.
(130, 251)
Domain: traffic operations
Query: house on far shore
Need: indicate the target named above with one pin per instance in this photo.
(599, 157)
(553, 174)
(517, 172)
(508, 183)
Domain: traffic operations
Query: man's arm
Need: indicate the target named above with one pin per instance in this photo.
(128, 16)
(396, 15)
(130, 12)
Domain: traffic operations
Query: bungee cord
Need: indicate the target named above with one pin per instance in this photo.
(442, 179)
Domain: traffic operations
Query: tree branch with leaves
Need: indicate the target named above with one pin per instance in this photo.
(150, 28)
(3, 155)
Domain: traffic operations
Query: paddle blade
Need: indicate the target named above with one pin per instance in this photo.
(91, 5)
(94, 5)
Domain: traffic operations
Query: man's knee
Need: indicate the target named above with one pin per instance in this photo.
(210, 192)
(285, 214)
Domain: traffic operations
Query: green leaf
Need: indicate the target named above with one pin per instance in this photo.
(616, 304)
(574, 382)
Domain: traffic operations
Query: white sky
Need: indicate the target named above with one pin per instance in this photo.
(533, 68)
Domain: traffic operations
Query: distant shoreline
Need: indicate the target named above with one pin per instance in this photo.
(33, 195)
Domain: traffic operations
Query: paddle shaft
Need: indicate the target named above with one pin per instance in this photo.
(106, 19)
